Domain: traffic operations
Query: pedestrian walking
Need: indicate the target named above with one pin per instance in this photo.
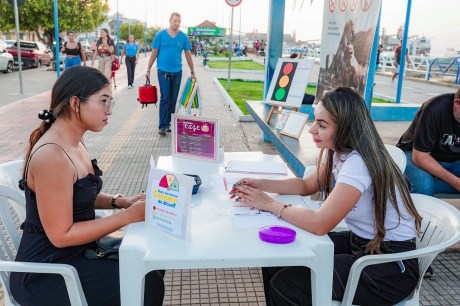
(73, 51)
(131, 54)
(167, 49)
(104, 50)
(397, 57)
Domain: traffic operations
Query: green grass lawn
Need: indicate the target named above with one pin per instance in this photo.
(244, 65)
(241, 90)
(218, 55)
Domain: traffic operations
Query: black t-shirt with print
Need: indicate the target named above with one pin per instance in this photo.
(435, 130)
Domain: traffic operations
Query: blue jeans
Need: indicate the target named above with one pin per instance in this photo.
(424, 183)
(71, 61)
(169, 90)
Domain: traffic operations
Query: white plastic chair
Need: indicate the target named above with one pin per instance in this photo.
(10, 205)
(398, 156)
(440, 230)
(11, 173)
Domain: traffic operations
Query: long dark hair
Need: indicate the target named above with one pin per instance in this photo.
(78, 81)
(356, 131)
(108, 36)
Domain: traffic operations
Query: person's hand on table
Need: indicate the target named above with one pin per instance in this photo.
(136, 210)
(247, 191)
(126, 202)
(248, 181)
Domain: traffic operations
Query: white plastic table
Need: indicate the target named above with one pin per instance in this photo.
(216, 242)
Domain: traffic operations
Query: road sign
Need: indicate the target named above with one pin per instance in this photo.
(233, 2)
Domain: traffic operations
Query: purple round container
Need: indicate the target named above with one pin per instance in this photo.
(277, 234)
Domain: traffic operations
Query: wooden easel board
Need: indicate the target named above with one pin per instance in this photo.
(289, 82)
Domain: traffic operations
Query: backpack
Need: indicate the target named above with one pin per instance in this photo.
(115, 64)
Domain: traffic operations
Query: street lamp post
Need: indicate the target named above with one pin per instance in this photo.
(56, 38)
(118, 34)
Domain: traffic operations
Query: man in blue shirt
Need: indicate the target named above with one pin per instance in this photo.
(167, 48)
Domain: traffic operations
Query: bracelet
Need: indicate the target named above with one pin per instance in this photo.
(192, 72)
(148, 71)
(284, 206)
(113, 201)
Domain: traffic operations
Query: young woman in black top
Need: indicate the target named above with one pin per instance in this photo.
(73, 51)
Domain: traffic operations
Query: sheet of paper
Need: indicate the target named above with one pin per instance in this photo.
(240, 166)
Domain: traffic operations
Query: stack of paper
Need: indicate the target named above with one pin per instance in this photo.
(239, 166)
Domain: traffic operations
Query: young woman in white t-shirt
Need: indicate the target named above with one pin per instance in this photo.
(362, 185)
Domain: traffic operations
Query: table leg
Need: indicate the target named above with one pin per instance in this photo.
(132, 282)
(321, 276)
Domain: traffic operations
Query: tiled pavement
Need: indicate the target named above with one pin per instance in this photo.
(123, 149)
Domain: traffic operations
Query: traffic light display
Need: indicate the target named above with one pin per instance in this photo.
(284, 82)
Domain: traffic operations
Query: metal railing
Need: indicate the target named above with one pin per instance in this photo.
(445, 67)
(448, 67)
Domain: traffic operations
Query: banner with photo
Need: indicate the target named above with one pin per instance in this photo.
(346, 44)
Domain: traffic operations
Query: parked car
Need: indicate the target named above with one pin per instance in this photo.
(87, 48)
(6, 59)
(9, 42)
(33, 53)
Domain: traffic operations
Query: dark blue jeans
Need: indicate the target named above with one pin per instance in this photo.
(169, 90)
(424, 183)
(130, 67)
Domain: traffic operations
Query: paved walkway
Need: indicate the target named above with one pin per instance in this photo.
(123, 149)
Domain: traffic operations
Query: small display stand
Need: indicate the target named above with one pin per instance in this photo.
(278, 109)
(190, 99)
(288, 85)
(294, 124)
(195, 137)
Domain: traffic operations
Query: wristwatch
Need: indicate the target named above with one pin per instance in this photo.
(114, 199)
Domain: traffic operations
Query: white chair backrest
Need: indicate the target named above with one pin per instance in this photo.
(11, 173)
(440, 227)
(398, 156)
(12, 214)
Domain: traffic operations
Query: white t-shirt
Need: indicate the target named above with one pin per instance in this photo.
(350, 169)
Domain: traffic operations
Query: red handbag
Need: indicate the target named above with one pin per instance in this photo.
(147, 94)
(115, 64)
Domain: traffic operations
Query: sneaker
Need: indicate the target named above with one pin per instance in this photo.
(129, 87)
(429, 272)
(162, 131)
(168, 129)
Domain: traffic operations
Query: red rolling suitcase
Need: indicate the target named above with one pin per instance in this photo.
(147, 94)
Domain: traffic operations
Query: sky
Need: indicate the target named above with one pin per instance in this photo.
(436, 20)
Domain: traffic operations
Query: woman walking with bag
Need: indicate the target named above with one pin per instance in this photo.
(62, 188)
(104, 50)
(131, 51)
(73, 51)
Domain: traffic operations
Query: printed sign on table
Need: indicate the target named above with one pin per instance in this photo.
(289, 82)
(195, 137)
(168, 202)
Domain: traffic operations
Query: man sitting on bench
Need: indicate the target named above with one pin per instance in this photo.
(432, 146)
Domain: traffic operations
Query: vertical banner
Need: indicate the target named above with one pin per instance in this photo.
(346, 44)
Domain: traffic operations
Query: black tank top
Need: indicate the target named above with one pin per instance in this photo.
(75, 51)
(35, 245)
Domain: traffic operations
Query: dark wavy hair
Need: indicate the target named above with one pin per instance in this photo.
(108, 35)
(356, 131)
(78, 81)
